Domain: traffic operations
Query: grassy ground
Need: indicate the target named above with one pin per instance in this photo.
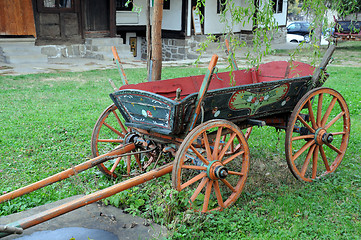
(46, 124)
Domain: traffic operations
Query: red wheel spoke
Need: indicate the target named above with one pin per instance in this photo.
(248, 133)
(120, 122)
(207, 196)
(307, 161)
(216, 143)
(334, 120)
(193, 180)
(128, 164)
(302, 137)
(111, 140)
(225, 148)
(237, 147)
(114, 130)
(333, 148)
(324, 158)
(319, 110)
(200, 156)
(306, 146)
(115, 164)
(218, 194)
(228, 185)
(199, 188)
(195, 167)
(338, 133)
(305, 124)
(208, 148)
(232, 148)
(138, 162)
(328, 111)
(235, 173)
(232, 157)
(312, 116)
(314, 162)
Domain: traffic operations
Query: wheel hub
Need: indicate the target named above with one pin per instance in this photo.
(327, 138)
(323, 137)
(216, 170)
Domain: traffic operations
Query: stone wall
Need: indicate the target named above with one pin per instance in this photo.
(180, 49)
(173, 49)
(2, 55)
(63, 51)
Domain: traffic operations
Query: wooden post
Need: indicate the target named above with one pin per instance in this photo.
(149, 42)
(112, 16)
(157, 40)
(322, 67)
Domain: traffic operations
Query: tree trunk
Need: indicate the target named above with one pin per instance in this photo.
(157, 40)
(149, 42)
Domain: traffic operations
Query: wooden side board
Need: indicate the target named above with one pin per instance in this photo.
(17, 18)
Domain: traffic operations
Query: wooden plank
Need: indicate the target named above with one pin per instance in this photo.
(322, 67)
(17, 18)
(29, 22)
(2, 18)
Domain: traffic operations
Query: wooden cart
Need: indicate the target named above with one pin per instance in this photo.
(192, 127)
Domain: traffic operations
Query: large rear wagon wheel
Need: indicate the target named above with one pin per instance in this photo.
(317, 134)
(205, 165)
(109, 132)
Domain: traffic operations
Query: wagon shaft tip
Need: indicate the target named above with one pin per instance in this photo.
(7, 230)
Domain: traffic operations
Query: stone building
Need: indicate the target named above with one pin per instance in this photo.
(72, 27)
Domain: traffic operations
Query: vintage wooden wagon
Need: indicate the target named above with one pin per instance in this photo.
(347, 30)
(192, 127)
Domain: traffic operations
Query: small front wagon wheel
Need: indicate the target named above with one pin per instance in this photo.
(207, 168)
(109, 132)
(317, 134)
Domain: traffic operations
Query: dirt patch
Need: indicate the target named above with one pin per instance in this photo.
(5, 67)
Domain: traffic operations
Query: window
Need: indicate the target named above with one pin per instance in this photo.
(124, 5)
(57, 3)
(166, 4)
(221, 5)
(277, 6)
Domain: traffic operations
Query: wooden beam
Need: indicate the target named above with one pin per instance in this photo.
(112, 16)
(157, 40)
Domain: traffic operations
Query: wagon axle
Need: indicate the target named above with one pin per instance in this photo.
(323, 137)
(215, 170)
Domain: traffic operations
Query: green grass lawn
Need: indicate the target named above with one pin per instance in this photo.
(46, 125)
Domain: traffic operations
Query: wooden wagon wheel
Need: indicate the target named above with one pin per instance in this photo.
(108, 133)
(213, 178)
(317, 134)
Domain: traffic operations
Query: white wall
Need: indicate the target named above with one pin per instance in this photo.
(213, 24)
(281, 18)
(172, 19)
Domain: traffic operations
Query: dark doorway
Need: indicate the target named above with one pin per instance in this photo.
(201, 8)
(97, 15)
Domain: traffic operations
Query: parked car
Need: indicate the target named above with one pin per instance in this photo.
(299, 28)
(295, 38)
